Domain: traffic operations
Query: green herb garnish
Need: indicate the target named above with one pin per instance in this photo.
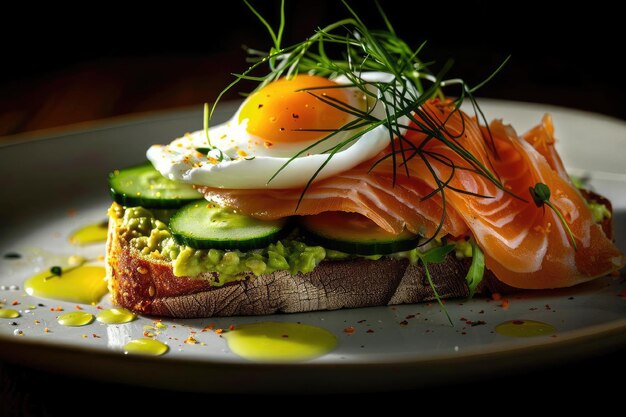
(541, 196)
(55, 271)
(58, 271)
(476, 271)
(435, 256)
(205, 151)
(348, 48)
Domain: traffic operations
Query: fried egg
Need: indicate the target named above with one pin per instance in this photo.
(272, 125)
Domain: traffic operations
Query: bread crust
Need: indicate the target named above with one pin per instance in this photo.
(149, 286)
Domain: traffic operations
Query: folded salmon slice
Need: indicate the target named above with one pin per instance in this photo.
(525, 246)
(394, 208)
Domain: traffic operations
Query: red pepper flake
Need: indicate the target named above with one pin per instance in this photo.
(361, 321)
(518, 322)
(404, 323)
(476, 323)
(95, 336)
(77, 307)
(505, 303)
(548, 307)
(284, 335)
(231, 327)
(57, 308)
(348, 330)
(496, 296)
(190, 341)
(208, 327)
(46, 330)
(71, 212)
(15, 302)
(463, 319)
(219, 331)
(369, 331)
(622, 294)
(99, 308)
(481, 312)
(148, 334)
(463, 333)
(410, 316)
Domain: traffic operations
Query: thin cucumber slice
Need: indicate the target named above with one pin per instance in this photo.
(144, 186)
(355, 234)
(202, 225)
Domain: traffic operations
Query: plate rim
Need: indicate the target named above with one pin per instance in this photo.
(137, 118)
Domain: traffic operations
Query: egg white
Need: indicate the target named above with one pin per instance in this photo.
(254, 167)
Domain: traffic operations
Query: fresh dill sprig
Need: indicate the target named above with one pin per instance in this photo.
(210, 150)
(349, 48)
(206, 125)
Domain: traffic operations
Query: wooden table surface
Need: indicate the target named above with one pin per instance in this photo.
(129, 68)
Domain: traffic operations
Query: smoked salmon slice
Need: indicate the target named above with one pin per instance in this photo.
(437, 191)
(393, 208)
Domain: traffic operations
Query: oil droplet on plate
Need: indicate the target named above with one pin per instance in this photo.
(85, 285)
(115, 316)
(525, 328)
(149, 347)
(280, 342)
(7, 313)
(93, 233)
(75, 319)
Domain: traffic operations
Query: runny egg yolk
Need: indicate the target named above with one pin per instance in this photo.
(282, 113)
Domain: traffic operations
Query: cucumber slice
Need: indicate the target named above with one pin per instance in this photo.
(355, 234)
(145, 186)
(202, 225)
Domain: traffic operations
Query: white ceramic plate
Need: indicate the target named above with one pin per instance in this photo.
(44, 178)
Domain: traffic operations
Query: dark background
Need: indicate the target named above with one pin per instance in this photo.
(105, 59)
(66, 66)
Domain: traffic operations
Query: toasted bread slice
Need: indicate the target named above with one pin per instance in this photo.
(149, 286)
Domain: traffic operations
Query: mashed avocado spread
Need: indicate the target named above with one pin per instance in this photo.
(147, 231)
(599, 211)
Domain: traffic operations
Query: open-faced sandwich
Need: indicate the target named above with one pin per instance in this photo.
(349, 182)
